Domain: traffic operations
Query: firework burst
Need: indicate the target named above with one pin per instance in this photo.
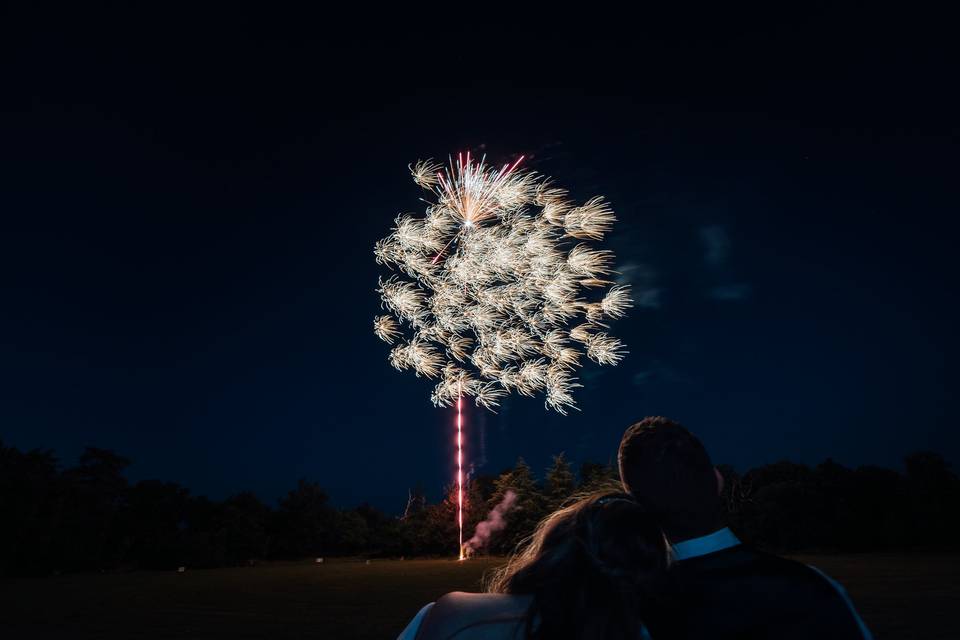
(497, 288)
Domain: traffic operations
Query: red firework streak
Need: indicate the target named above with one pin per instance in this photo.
(472, 212)
(460, 473)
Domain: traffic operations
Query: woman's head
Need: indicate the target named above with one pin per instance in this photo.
(590, 567)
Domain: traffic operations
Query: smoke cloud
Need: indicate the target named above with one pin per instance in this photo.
(494, 522)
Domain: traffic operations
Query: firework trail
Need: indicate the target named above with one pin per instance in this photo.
(460, 476)
(492, 291)
(498, 289)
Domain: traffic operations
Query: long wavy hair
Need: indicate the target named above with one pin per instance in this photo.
(592, 568)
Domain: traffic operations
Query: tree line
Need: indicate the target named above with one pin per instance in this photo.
(91, 518)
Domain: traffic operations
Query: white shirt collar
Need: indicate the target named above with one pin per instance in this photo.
(716, 541)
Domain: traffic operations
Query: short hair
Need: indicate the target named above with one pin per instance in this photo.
(668, 470)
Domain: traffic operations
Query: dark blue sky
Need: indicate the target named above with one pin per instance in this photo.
(188, 277)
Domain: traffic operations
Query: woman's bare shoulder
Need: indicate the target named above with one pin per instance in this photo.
(460, 615)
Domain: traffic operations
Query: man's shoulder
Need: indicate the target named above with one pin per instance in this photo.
(767, 570)
(740, 588)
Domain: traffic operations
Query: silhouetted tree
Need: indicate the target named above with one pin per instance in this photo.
(383, 532)
(415, 502)
(304, 523)
(93, 494)
(559, 482)
(737, 492)
(241, 529)
(934, 496)
(30, 490)
(89, 518)
(350, 533)
(153, 523)
(595, 476)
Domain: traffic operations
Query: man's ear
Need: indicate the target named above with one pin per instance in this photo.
(719, 480)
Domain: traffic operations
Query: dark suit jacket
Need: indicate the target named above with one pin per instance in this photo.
(746, 594)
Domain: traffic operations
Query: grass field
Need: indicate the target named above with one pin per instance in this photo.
(899, 596)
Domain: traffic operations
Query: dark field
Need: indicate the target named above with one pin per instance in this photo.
(899, 596)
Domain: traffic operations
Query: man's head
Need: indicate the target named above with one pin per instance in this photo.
(667, 469)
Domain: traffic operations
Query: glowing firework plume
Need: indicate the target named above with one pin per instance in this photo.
(493, 285)
(492, 289)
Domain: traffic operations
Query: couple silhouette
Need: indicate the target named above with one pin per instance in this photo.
(652, 559)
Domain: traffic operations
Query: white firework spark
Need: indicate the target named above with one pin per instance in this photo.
(386, 328)
(491, 288)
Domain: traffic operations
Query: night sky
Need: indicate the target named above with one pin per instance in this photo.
(188, 278)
